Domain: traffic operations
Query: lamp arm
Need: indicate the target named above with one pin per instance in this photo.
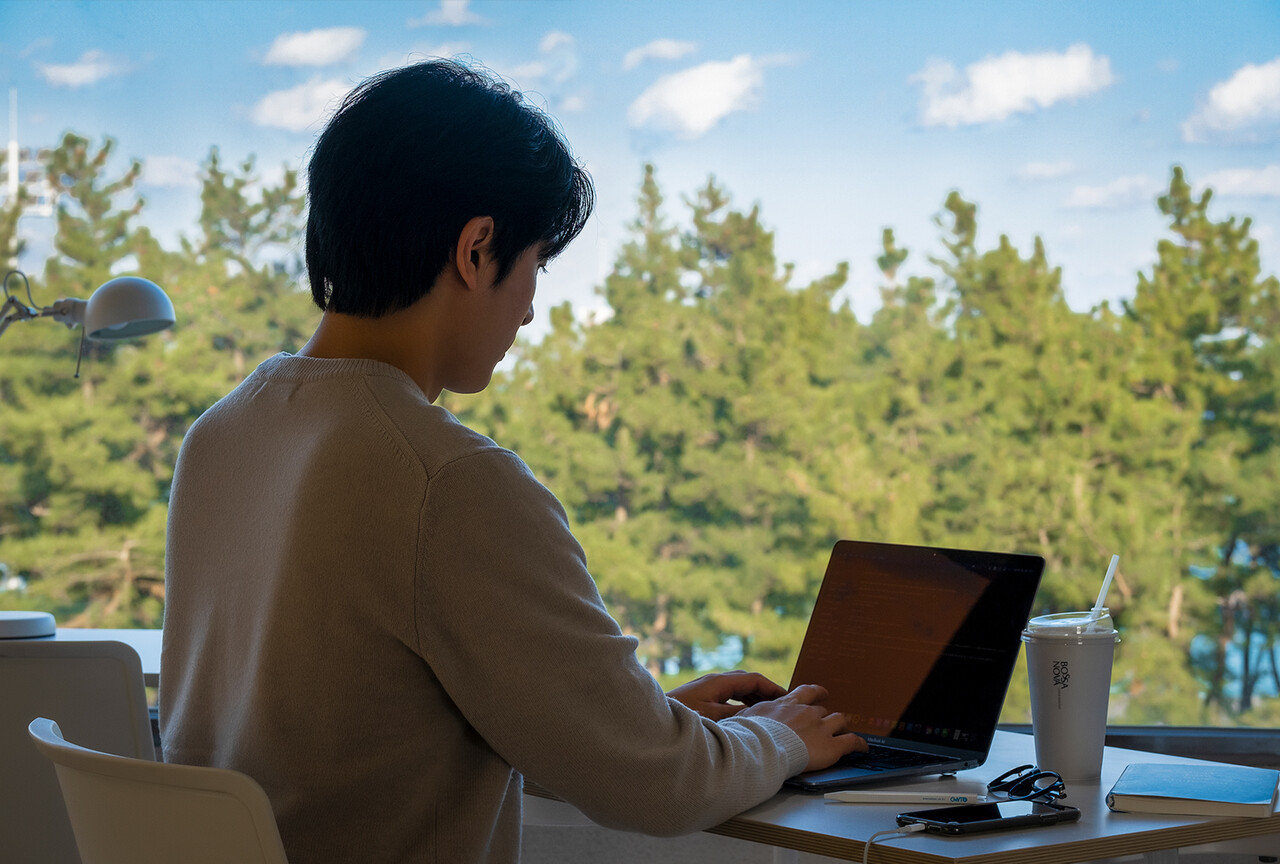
(11, 310)
(69, 311)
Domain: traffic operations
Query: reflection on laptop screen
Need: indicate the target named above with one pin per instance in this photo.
(917, 643)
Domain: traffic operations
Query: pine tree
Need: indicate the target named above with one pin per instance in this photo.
(85, 465)
(1211, 322)
(83, 475)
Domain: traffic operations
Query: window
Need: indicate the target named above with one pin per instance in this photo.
(952, 278)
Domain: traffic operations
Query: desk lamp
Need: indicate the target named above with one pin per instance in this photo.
(121, 308)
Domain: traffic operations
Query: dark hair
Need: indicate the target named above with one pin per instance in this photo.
(411, 156)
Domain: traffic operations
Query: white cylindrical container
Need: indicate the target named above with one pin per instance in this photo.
(1069, 659)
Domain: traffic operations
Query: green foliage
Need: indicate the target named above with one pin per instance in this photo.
(1209, 323)
(93, 235)
(715, 435)
(722, 427)
(85, 464)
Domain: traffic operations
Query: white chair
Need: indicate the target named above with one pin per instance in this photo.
(131, 811)
(95, 691)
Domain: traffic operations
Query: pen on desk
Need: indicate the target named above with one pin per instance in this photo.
(890, 797)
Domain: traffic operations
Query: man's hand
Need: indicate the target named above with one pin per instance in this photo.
(712, 695)
(824, 733)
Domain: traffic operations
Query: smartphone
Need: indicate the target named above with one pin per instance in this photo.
(994, 816)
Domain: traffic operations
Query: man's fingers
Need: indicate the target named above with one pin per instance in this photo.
(852, 743)
(751, 687)
(857, 744)
(807, 694)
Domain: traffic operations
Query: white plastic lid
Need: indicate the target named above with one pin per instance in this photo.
(1072, 624)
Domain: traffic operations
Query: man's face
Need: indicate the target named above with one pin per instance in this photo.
(499, 312)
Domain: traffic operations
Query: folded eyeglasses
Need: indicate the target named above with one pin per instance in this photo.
(1028, 783)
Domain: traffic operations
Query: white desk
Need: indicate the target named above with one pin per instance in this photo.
(145, 642)
(804, 822)
(808, 823)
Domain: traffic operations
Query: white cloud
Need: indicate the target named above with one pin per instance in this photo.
(998, 87)
(557, 61)
(525, 72)
(1246, 106)
(315, 47)
(1252, 182)
(554, 40)
(301, 108)
(1044, 170)
(658, 49)
(38, 45)
(1120, 193)
(448, 49)
(690, 103)
(170, 171)
(92, 67)
(452, 13)
(575, 103)
(420, 52)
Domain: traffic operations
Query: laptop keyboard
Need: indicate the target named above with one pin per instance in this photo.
(882, 758)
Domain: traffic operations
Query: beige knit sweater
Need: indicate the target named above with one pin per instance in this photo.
(382, 616)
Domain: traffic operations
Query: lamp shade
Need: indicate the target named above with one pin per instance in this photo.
(126, 307)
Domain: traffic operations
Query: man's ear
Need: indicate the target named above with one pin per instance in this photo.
(474, 253)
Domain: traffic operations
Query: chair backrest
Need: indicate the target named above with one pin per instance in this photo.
(95, 691)
(132, 811)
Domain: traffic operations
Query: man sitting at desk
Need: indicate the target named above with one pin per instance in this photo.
(380, 614)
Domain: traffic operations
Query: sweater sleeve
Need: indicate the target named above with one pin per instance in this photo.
(512, 625)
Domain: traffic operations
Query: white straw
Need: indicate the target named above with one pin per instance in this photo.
(1106, 586)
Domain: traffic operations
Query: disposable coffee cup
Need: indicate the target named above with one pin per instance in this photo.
(1069, 659)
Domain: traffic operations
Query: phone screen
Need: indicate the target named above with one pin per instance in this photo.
(994, 816)
(978, 812)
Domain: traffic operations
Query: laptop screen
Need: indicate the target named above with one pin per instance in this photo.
(918, 643)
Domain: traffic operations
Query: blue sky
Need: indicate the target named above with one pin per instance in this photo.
(837, 117)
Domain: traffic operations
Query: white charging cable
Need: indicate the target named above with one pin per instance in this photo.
(913, 828)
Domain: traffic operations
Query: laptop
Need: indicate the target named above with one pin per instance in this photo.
(917, 645)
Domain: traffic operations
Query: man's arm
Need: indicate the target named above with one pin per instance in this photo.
(512, 625)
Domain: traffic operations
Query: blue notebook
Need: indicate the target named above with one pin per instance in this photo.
(1195, 789)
